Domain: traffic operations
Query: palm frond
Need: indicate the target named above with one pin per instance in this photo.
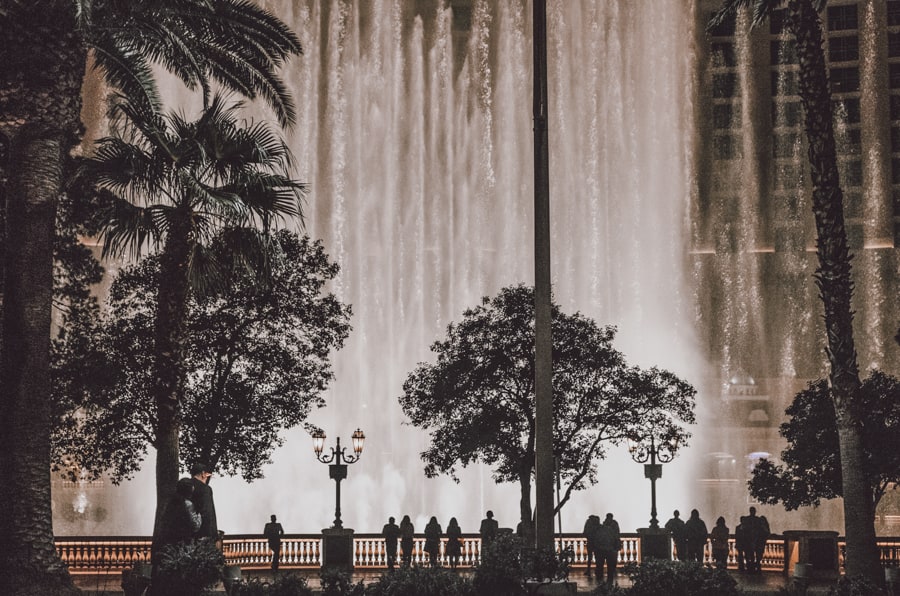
(761, 10)
(127, 229)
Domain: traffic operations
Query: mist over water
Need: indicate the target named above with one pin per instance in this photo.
(415, 135)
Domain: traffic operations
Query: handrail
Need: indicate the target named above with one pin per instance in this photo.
(112, 554)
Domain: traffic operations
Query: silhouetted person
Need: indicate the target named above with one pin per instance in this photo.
(407, 538)
(273, 532)
(178, 524)
(675, 527)
(608, 545)
(695, 534)
(719, 541)
(757, 533)
(488, 530)
(591, 526)
(742, 545)
(454, 542)
(203, 501)
(433, 535)
(391, 533)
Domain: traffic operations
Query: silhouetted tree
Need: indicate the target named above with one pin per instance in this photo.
(43, 57)
(256, 358)
(477, 399)
(811, 468)
(833, 274)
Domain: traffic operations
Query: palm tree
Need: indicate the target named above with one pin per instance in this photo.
(833, 275)
(42, 64)
(173, 185)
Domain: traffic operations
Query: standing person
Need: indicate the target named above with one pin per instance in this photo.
(391, 533)
(454, 542)
(742, 545)
(758, 538)
(591, 525)
(695, 534)
(675, 527)
(273, 533)
(719, 540)
(179, 523)
(488, 530)
(203, 501)
(608, 545)
(407, 536)
(433, 535)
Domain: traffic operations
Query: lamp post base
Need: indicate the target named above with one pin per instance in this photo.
(655, 544)
(337, 548)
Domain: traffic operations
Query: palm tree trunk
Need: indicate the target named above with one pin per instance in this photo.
(30, 564)
(172, 296)
(833, 277)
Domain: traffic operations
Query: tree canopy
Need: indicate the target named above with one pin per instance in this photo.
(477, 399)
(256, 357)
(811, 468)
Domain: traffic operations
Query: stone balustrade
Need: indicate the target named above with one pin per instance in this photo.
(93, 554)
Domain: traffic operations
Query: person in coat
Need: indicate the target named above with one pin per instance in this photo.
(675, 527)
(695, 534)
(391, 534)
(433, 535)
(719, 541)
(203, 501)
(454, 542)
(591, 525)
(273, 533)
(407, 538)
(179, 522)
(608, 545)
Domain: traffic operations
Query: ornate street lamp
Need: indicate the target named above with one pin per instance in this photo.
(337, 462)
(655, 450)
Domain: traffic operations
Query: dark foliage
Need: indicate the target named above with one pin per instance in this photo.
(420, 581)
(188, 569)
(285, 584)
(674, 578)
(257, 357)
(811, 469)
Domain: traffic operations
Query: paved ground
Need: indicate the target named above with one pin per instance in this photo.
(757, 585)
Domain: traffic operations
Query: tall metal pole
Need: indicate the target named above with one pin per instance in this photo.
(543, 415)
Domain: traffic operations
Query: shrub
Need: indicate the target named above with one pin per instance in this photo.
(500, 571)
(605, 589)
(546, 564)
(284, 585)
(857, 585)
(339, 582)
(674, 578)
(420, 581)
(188, 569)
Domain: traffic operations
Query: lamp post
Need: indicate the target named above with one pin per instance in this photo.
(337, 464)
(646, 448)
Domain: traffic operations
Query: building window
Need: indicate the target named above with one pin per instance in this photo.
(722, 115)
(850, 142)
(895, 107)
(725, 85)
(725, 29)
(786, 145)
(895, 139)
(894, 75)
(790, 113)
(785, 82)
(847, 109)
(895, 171)
(842, 18)
(852, 173)
(724, 54)
(893, 12)
(845, 80)
(853, 204)
(725, 147)
(843, 49)
(777, 21)
(896, 196)
(782, 52)
(893, 44)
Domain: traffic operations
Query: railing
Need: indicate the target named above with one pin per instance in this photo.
(98, 554)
